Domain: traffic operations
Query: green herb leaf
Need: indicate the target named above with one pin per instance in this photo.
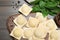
(51, 7)
(45, 12)
(52, 13)
(36, 8)
(42, 4)
(35, 2)
(51, 4)
(56, 10)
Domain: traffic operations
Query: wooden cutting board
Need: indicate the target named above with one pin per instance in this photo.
(10, 24)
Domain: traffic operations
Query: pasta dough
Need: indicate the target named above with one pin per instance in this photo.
(25, 9)
(32, 22)
(35, 38)
(51, 39)
(20, 20)
(51, 25)
(17, 32)
(40, 17)
(44, 28)
(58, 34)
(54, 35)
(28, 32)
(41, 31)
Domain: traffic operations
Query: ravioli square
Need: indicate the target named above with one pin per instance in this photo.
(54, 35)
(40, 17)
(28, 32)
(32, 22)
(25, 9)
(17, 32)
(20, 20)
(50, 24)
(41, 31)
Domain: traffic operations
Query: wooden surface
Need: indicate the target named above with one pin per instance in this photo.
(5, 12)
(4, 34)
(10, 24)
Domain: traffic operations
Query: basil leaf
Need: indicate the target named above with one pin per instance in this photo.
(52, 13)
(56, 10)
(46, 0)
(45, 12)
(42, 3)
(35, 2)
(36, 8)
(51, 7)
(51, 4)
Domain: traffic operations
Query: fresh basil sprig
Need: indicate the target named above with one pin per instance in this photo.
(51, 7)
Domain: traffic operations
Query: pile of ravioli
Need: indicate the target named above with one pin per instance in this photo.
(35, 28)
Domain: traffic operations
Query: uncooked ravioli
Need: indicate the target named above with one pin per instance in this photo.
(35, 38)
(17, 32)
(20, 20)
(41, 31)
(51, 25)
(40, 17)
(25, 9)
(28, 32)
(32, 22)
(54, 35)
